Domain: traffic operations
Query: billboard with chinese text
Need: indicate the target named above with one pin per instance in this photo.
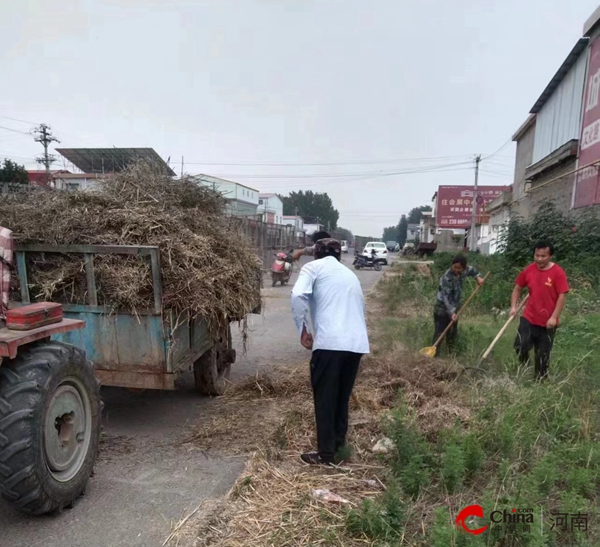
(586, 183)
(455, 204)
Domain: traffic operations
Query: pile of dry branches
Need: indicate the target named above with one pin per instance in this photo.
(208, 267)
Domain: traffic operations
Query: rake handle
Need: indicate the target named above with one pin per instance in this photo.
(503, 329)
(435, 345)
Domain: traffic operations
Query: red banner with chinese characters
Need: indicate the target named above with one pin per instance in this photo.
(455, 204)
(586, 181)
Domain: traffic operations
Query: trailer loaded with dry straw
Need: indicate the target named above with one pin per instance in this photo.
(153, 265)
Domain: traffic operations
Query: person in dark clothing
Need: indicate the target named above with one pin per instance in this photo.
(548, 288)
(310, 251)
(333, 295)
(449, 296)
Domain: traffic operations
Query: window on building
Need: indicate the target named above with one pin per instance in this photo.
(260, 201)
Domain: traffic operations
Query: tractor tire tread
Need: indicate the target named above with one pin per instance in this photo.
(23, 382)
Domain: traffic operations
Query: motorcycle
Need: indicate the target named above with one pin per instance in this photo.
(281, 269)
(361, 261)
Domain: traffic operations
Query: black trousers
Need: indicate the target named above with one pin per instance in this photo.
(332, 375)
(540, 339)
(441, 321)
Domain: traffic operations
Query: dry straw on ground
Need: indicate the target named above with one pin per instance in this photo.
(208, 268)
(271, 415)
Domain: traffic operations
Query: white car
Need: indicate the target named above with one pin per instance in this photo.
(380, 250)
(344, 246)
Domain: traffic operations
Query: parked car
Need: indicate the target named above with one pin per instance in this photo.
(391, 245)
(344, 246)
(380, 250)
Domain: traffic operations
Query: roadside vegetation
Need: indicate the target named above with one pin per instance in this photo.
(522, 444)
(460, 434)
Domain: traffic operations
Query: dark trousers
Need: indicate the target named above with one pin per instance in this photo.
(441, 321)
(332, 375)
(540, 339)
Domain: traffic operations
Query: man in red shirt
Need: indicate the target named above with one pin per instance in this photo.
(548, 288)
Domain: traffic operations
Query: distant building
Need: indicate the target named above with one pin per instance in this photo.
(298, 223)
(38, 177)
(499, 210)
(76, 181)
(270, 207)
(427, 227)
(558, 146)
(524, 137)
(242, 201)
(556, 131)
(311, 227)
(412, 232)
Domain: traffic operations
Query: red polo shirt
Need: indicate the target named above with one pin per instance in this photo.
(544, 288)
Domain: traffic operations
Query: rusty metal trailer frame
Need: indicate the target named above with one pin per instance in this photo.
(147, 349)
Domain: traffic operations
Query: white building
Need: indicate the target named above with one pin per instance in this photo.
(270, 207)
(242, 200)
(412, 231)
(76, 181)
(427, 227)
(499, 210)
(296, 221)
(310, 229)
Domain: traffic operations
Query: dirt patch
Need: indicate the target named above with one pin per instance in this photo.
(112, 447)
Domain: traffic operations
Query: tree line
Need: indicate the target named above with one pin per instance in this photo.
(399, 232)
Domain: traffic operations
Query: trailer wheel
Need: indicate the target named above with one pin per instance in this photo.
(50, 418)
(211, 371)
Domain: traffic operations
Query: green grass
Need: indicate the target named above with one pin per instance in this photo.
(526, 444)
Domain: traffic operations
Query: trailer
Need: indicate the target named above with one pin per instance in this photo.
(145, 349)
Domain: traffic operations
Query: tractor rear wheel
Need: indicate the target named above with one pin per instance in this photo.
(212, 369)
(50, 419)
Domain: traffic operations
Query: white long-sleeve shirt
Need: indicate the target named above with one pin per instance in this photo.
(333, 295)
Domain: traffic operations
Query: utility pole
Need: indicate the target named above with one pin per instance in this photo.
(473, 246)
(182, 167)
(44, 136)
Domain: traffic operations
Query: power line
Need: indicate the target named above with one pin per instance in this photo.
(18, 120)
(335, 175)
(498, 151)
(14, 130)
(305, 164)
(323, 177)
(346, 181)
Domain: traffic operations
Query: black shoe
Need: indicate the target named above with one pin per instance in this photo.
(312, 458)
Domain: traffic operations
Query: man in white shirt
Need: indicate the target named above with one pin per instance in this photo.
(333, 295)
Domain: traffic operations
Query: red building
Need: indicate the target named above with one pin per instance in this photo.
(38, 177)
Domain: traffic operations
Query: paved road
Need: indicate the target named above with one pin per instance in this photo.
(145, 479)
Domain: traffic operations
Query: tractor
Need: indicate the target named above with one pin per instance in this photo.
(50, 412)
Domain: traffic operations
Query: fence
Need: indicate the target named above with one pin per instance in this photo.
(268, 238)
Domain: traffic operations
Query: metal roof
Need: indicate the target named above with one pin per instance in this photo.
(111, 160)
(560, 74)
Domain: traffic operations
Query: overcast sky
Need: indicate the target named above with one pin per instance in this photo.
(370, 88)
